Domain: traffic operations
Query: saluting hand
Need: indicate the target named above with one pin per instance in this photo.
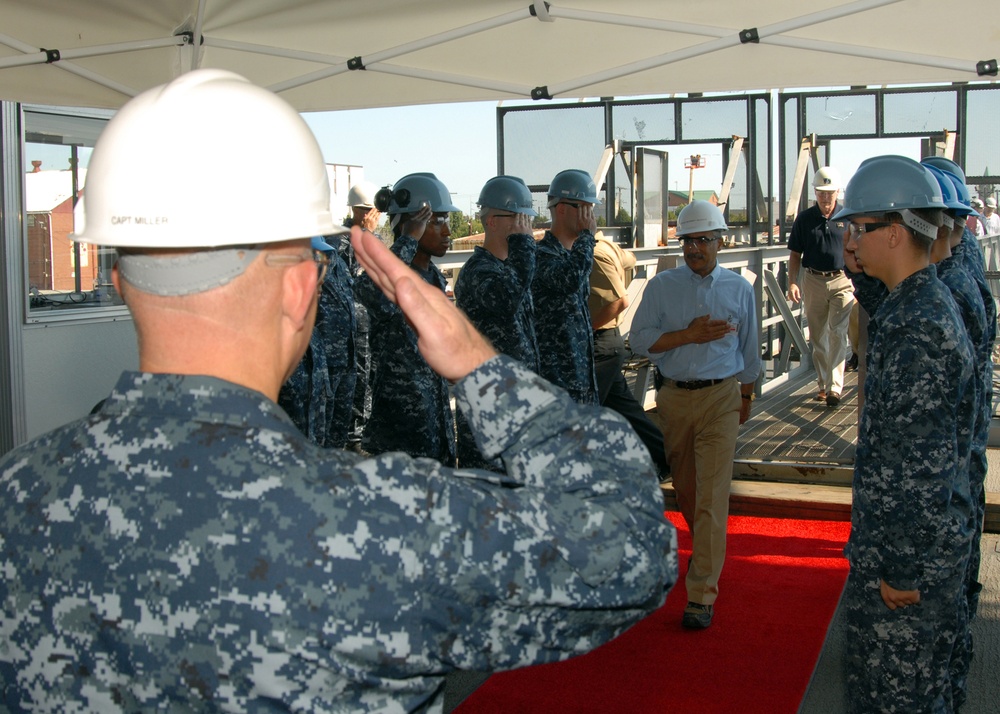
(370, 221)
(521, 223)
(586, 218)
(416, 226)
(445, 337)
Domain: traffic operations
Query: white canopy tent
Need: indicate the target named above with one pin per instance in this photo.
(345, 54)
(322, 54)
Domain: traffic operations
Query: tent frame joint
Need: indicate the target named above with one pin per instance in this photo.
(355, 63)
(541, 92)
(750, 35)
(986, 67)
(51, 56)
(541, 11)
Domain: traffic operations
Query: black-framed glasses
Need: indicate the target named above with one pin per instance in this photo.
(503, 215)
(697, 240)
(319, 257)
(570, 203)
(855, 230)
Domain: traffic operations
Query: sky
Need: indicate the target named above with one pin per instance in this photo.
(458, 143)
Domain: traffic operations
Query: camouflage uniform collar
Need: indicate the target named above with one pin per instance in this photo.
(196, 398)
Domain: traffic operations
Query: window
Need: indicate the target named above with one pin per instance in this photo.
(61, 274)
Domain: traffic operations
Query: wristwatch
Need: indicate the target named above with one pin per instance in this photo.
(749, 397)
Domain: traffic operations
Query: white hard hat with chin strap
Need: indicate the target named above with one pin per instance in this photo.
(209, 165)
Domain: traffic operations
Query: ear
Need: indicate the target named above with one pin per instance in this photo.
(895, 234)
(299, 294)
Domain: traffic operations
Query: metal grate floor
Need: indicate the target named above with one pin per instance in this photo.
(788, 424)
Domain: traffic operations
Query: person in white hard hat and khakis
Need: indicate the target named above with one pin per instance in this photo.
(816, 244)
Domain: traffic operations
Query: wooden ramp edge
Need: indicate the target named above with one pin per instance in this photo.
(805, 501)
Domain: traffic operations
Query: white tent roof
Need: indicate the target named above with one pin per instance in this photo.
(425, 51)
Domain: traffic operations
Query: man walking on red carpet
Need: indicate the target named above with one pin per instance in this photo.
(698, 325)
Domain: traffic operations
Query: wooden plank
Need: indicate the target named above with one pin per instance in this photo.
(793, 472)
(806, 501)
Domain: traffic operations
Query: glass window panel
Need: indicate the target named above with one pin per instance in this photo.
(840, 115)
(761, 193)
(62, 275)
(913, 112)
(643, 122)
(623, 188)
(792, 141)
(737, 205)
(713, 120)
(538, 144)
(982, 140)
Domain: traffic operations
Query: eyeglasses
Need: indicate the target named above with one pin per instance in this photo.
(438, 220)
(699, 240)
(321, 259)
(503, 215)
(856, 229)
(569, 203)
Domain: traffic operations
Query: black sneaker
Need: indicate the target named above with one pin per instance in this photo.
(697, 616)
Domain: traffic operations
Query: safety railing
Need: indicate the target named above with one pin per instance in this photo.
(784, 351)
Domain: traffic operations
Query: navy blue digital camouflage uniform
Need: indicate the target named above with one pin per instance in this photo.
(911, 518)
(187, 549)
(319, 395)
(971, 258)
(496, 296)
(963, 289)
(362, 352)
(562, 317)
(411, 404)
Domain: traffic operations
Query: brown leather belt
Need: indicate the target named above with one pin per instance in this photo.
(826, 273)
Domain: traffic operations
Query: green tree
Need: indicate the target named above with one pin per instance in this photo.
(459, 224)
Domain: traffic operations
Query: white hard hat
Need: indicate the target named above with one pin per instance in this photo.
(991, 202)
(207, 160)
(700, 217)
(362, 195)
(827, 179)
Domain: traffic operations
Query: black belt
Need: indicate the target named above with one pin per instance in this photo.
(696, 384)
(826, 273)
(606, 329)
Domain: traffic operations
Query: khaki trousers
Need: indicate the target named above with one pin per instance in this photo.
(700, 428)
(828, 303)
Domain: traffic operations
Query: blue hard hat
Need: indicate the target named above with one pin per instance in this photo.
(320, 244)
(885, 184)
(508, 193)
(944, 164)
(411, 192)
(573, 185)
(949, 193)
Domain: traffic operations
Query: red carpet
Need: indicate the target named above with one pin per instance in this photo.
(778, 593)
